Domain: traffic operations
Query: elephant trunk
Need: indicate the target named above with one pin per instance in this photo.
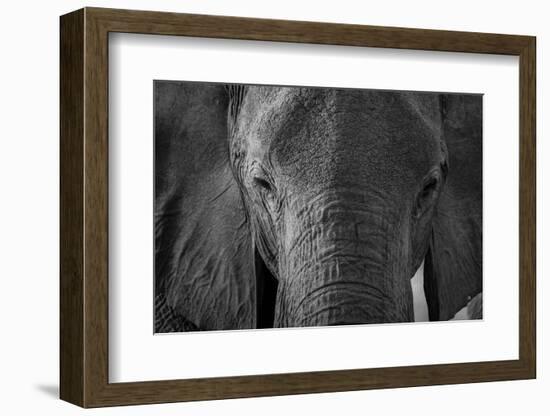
(339, 270)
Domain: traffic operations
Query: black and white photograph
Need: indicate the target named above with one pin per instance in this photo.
(299, 206)
(275, 208)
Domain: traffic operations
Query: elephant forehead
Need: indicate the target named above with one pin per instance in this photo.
(343, 131)
(273, 114)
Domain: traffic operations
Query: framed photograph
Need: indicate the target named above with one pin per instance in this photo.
(257, 207)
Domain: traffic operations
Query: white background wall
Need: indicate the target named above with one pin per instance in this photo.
(29, 85)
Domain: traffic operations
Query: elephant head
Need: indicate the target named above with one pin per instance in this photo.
(291, 206)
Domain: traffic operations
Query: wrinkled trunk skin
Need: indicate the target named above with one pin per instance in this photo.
(339, 268)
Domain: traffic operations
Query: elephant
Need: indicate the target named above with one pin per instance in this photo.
(281, 206)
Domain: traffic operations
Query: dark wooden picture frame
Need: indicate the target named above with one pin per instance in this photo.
(84, 207)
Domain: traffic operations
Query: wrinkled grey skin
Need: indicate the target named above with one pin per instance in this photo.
(285, 206)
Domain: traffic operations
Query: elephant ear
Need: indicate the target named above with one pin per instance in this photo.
(453, 264)
(204, 260)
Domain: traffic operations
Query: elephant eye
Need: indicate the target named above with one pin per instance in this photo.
(260, 180)
(429, 188)
(262, 183)
(266, 191)
(426, 196)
